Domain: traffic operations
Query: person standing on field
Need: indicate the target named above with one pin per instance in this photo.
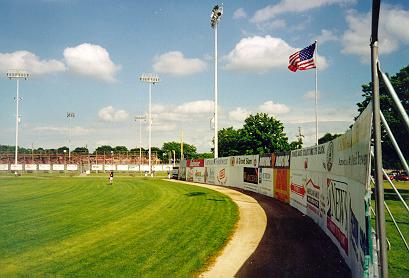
(111, 177)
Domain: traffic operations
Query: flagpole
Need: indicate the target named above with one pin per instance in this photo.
(316, 93)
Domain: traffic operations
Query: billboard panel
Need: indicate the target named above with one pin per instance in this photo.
(30, 167)
(265, 165)
(16, 167)
(4, 167)
(72, 167)
(281, 176)
(58, 167)
(122, 167)
(44, 167)
(97, 167)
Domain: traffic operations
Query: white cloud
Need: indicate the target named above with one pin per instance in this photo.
(239, 114)
(239, 13)
(175, 63)
(25, 60)
(286, 6)
(196, 107)
(326, 36)
(260, 54)
(91, 60)
(311, 95)
(110, 114)
(393, 32)
(270, 107)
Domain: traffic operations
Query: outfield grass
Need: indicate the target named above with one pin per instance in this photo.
(398, 255)
(86, 227)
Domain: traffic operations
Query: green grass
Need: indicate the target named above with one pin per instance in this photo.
(398, 255)
(85, 227)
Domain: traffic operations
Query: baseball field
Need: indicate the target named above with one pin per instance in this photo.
(62, 226)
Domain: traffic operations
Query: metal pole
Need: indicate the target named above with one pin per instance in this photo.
(69, 140)
(380, 219)
(17, 123)
(140, 143)
(316, 93)
(216, 138)
(150, 125)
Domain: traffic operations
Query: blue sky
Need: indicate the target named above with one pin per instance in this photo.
(86, 56)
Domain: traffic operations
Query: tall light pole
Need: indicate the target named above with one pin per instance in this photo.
(70, 116)
(17, 74)
(140, 119)
(217, 12)
(150, 79)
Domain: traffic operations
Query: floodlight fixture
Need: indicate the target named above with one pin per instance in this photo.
(217, 13)
(17, 74)
(150, 79)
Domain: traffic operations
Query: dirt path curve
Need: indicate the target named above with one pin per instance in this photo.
(290, 245)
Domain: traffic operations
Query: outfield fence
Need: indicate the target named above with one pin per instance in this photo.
(328, 183)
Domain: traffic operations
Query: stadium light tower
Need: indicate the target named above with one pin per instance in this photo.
(217, 13)
(70, 116)
(17, 74)
(150, 79)
(140, 118)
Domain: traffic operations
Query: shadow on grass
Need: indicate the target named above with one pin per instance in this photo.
(390, 195)
(216, 200)
(193, 194)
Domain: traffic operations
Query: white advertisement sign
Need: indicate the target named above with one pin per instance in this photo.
(72, 167)
(133, 168)
(30, 167)
(16, 167)
(97, 167)
(44, 167)
(266, 177)
(210, 171)
(222, 171)
(122, 167)
(244, 172)
(58, 167)
(4, 167)
(109, 167)
(198, 174)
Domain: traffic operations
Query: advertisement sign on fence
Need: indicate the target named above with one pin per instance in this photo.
(72, 167)
(210, 173)
(44, 167)
(133, 168)
(222, 171)
(58, 167)
(4, 167)
(30, 167)
(281, 176)
(16, 167)
(122, 167)
(265, 165)
(109, 167)
(97, 167)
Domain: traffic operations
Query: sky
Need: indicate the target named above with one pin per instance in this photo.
(86, 57)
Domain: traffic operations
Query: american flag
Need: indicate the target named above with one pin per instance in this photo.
(303, 59)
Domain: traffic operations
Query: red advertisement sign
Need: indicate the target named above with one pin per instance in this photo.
(282, 184)
(195, 163)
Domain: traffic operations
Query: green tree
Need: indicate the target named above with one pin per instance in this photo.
(263, 134)
(80, 150)
(104, 149)
(189, 151)
(400, 82)
(260, 134)
(120, 149)
(328, 137)
(230, 142)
